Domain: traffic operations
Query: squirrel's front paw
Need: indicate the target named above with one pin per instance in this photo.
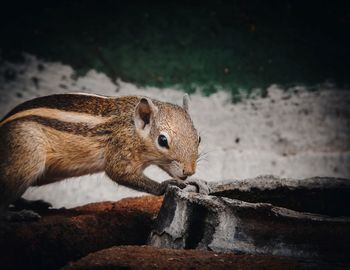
(197, 185)
(173, 182)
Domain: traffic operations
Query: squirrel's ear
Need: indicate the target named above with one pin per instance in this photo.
(145, 110)
(185, 102)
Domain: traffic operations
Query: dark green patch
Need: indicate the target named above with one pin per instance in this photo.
(208, 44)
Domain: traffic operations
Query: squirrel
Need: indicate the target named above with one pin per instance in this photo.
(51, 138)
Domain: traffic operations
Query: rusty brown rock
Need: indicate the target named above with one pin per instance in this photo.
(67, 234)
(152, 258)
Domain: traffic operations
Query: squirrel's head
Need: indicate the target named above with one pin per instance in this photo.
(169, 137)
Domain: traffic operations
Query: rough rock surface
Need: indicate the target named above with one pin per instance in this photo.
(63, 235)
(196, 221)
(150, 258)
(321, 195)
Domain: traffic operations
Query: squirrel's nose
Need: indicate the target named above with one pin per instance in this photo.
(188, 172)
(189, 169)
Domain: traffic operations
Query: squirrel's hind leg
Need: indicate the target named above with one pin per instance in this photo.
(19, 216)
(22, 162)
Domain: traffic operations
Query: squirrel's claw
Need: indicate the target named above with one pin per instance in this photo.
(197, 185)
(172, 182)
(190, 185)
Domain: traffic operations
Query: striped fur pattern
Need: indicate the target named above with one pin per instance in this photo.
(51, 138)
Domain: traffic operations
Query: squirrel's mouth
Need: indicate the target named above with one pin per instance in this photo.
(183, 178)
(172, 173)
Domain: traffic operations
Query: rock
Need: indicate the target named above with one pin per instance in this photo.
(320, 234)
(306, 220)
(67, 234)
(151, 258)
(321, 195)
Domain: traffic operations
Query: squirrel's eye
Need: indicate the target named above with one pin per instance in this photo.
(199, 139)
(163, 141)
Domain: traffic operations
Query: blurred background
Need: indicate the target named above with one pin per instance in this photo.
(269, 81)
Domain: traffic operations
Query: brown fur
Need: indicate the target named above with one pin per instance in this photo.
(52, 138)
